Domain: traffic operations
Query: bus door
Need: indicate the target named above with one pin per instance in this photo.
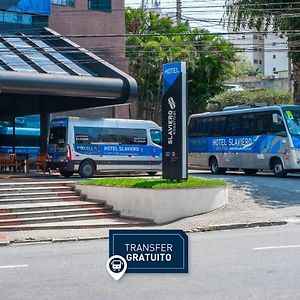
(133, 148)
(107, 139)
(58, 148)
(269, 131)
(232, 157)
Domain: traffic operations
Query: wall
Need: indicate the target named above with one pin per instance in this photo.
(265, 83)
(79, 20)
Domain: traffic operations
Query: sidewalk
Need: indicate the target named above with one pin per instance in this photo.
(243, 210)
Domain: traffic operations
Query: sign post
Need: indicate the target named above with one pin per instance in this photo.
(174, 121)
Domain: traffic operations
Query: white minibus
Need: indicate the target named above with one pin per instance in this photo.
(86, 146)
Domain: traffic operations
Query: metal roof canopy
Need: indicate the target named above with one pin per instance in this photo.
(30, 82)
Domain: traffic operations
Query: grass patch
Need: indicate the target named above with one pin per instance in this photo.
(192, 182)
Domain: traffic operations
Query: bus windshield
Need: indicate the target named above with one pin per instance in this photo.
(292, 117)
(58, 136)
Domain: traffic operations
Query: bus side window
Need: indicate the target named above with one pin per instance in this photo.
(263, 123)
(194, 128)
(247, 124)
(128, 136)
(156, 136)
(233, 125)
(219, 126)
(278, 126)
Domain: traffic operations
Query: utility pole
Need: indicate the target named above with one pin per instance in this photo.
(178, 11)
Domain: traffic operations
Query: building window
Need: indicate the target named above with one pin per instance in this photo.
(255, 61)
(63, 2)
(255, 37)
(274, 70)
(274, 56)
(102, 5)
(260, 62)
(15, 17)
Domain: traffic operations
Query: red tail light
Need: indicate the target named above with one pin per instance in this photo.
(69, 153)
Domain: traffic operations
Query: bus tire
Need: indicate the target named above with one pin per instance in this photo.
(250, 171)
(278, 168)
(214, 166)
(151, 173)
(66, 174)
(87, 169)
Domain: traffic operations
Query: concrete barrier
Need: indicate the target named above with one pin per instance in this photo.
(158, 205)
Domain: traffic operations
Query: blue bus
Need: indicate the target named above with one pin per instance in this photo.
(26, 140)
(247, 138)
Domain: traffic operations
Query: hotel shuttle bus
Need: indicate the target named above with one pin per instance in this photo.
(252, 139)
(86, 146)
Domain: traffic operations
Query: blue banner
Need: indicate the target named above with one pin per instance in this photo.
(121, 150)
(243, 144)
(39, 7)
(59, 123)
(170, 73)
(151, 251)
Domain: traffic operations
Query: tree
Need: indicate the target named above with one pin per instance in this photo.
(277, 15)
(156, 40)
(242, 67)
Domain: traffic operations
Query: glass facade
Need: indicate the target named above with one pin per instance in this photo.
(15, 18)
(20, 135)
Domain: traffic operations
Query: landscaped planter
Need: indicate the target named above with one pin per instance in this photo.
(158, 205)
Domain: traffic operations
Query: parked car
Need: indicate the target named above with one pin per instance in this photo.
(232, 87)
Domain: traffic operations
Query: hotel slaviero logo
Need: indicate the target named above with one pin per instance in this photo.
(171, 120)
(147, 251)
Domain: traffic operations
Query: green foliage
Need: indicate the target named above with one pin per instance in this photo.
(276, 15)
(242, 67)
(269, 97)
(192, 182)
(209, 59)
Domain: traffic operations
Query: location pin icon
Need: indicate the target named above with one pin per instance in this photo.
(116, 266)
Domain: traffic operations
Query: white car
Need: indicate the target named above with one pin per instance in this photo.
(233, 87)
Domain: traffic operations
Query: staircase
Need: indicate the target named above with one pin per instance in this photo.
(53, 205)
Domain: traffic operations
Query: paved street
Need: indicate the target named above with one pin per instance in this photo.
(259, 263)
(252, 199)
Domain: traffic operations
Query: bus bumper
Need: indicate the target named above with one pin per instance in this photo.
(61, 165)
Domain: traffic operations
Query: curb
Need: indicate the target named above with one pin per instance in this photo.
(31, 241)
(237, 226)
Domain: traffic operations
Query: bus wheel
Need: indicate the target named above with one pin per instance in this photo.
(250, 171)
(65, 173)
(278, 168)
(87, 169)
(151, 173)
(214, 167)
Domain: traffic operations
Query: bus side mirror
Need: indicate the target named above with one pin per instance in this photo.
(275, 118)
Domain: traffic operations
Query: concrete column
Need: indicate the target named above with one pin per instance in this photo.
(44, 131)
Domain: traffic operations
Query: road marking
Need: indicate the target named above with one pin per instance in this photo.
(13, 266)
(277, 247)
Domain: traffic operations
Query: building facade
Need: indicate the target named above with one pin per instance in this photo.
(99, 26)
(268, 54)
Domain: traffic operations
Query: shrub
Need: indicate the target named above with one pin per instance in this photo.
(270, 97)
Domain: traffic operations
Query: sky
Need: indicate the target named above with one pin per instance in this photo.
(200, 13)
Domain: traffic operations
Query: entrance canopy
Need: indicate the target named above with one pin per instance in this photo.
(44, 72)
